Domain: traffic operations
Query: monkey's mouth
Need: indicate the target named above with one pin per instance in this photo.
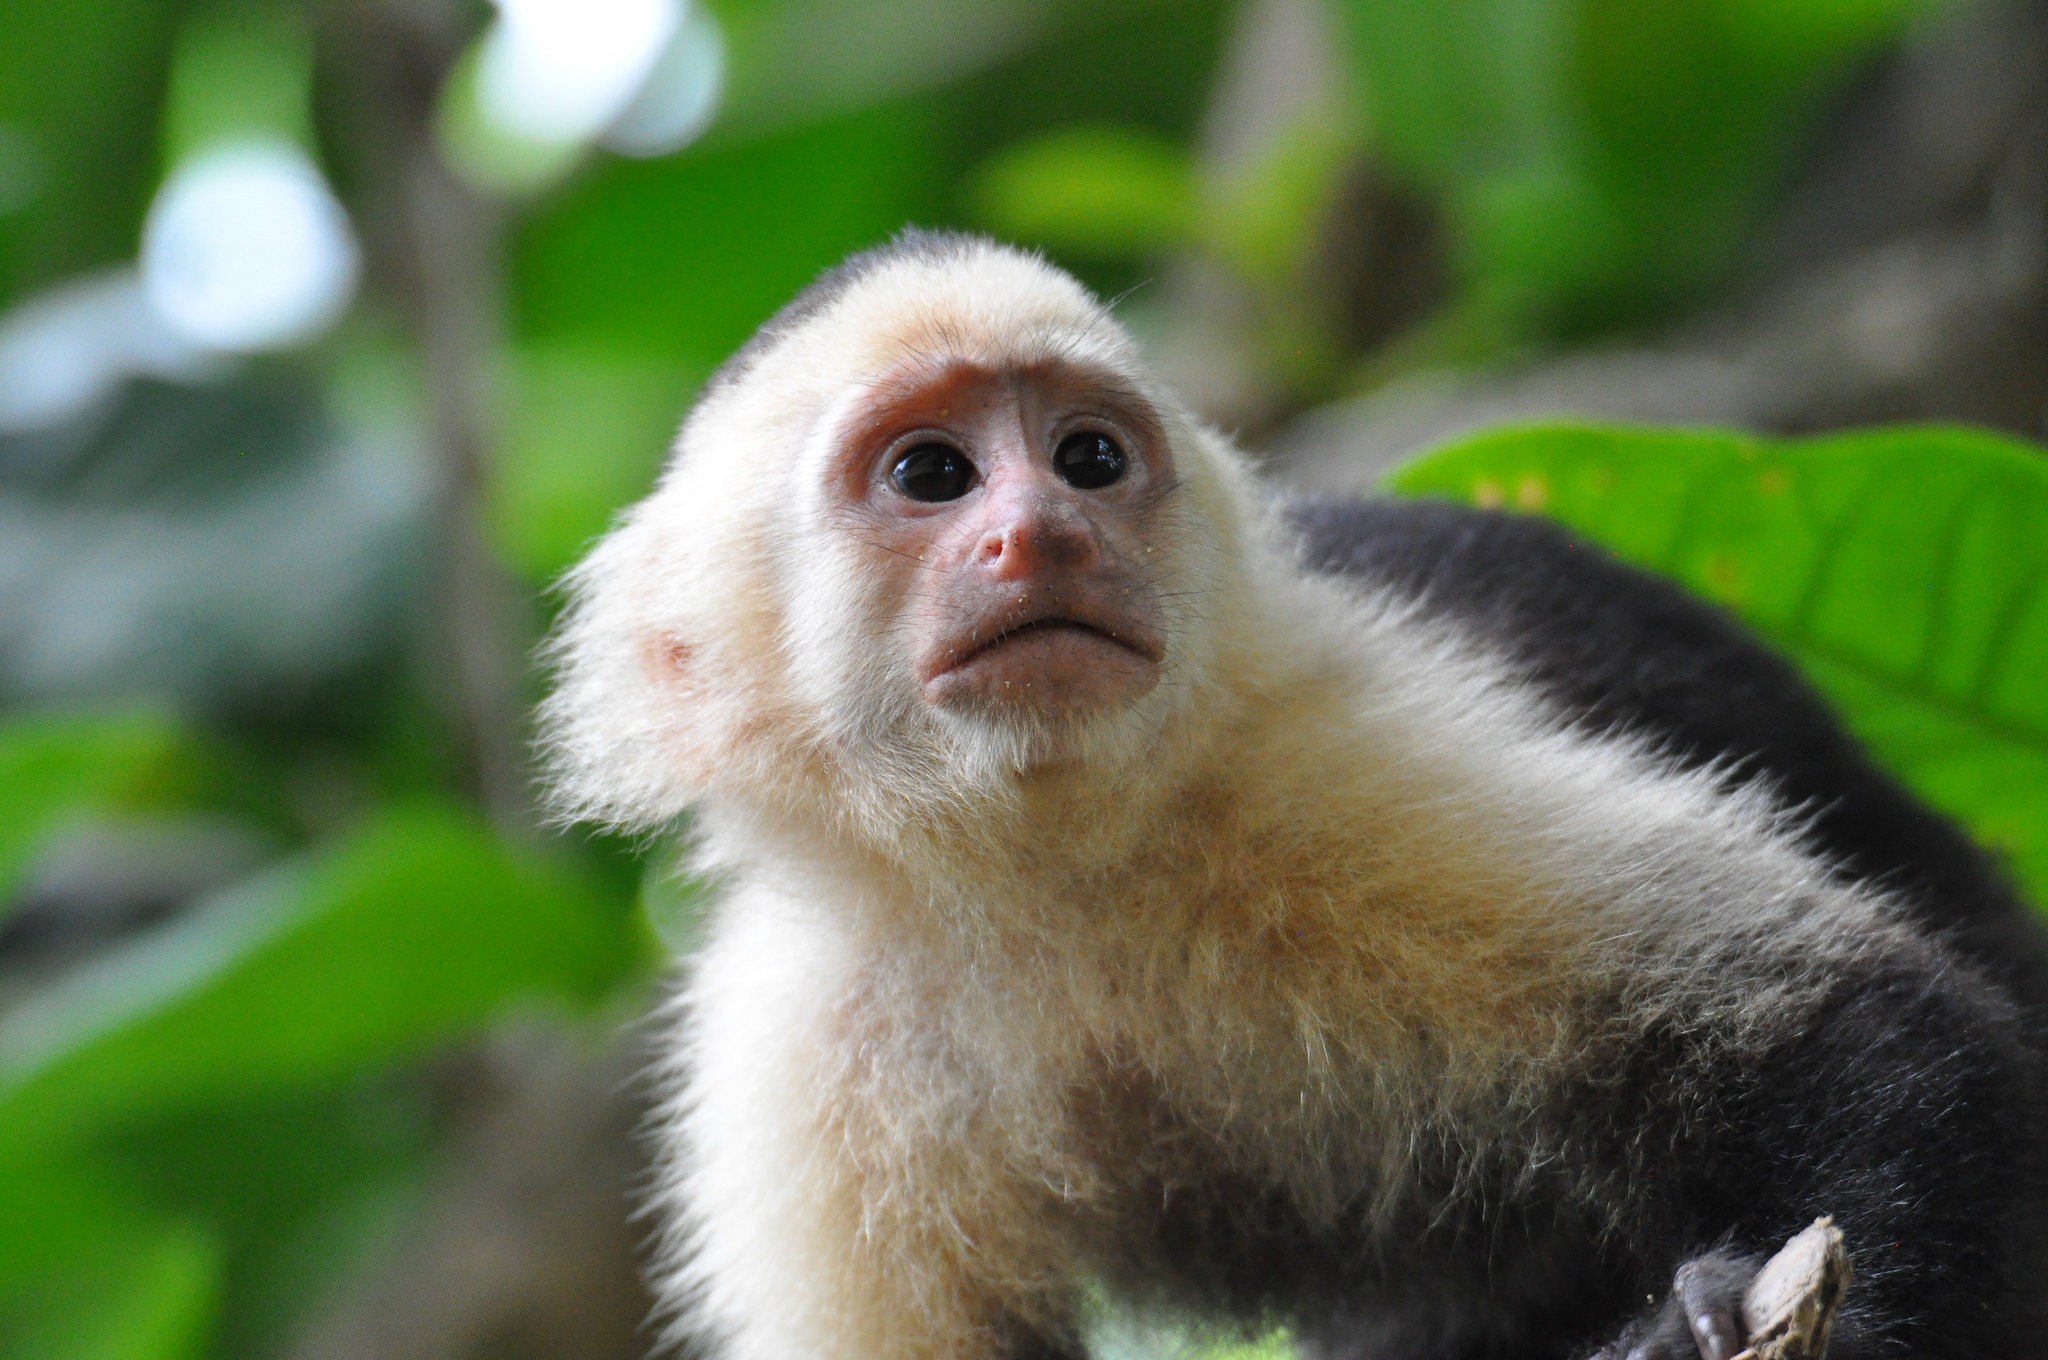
(1055, 657)
(1045, 625)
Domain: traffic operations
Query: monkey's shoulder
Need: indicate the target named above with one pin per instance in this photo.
(1616, 646)
(1616, 649)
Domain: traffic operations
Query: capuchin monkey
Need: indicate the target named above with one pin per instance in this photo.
(1390, 921)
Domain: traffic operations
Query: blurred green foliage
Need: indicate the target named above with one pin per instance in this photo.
(1601, 158)
(54, 767)
(211, 1113)
(385, 942)
(84, 167)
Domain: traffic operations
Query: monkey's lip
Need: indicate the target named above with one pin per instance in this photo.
(1004, 632)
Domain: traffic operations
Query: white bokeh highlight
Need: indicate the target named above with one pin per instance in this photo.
(560, 71)
(246, 249)
(65, 350)
(679, 97)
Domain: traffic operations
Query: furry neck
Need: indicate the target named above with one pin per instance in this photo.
(1227, 787)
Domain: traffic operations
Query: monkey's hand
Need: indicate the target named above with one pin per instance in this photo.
(1724, 1307)
(1702, 1318)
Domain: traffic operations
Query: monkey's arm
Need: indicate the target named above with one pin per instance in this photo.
(1906, 1109)
(835, 1204)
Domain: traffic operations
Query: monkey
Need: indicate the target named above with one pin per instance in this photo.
(1394, 922)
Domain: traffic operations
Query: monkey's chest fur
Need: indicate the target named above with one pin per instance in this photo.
(1222, 1103)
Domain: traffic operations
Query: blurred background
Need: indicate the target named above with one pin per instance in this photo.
(331, 331)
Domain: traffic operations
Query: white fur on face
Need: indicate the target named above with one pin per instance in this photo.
(724, 639)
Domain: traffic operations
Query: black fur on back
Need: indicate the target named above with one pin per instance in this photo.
(1622, 650)
(1911, 1107)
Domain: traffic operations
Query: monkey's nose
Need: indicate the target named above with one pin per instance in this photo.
(1042, 538)
(1037, 535)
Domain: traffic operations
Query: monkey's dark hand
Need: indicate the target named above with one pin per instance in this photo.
(1701, 1320)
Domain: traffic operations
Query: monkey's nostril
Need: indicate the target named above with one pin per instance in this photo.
(1030, 545)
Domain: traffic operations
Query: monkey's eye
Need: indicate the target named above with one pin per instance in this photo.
(933, 472)
(1088, 460)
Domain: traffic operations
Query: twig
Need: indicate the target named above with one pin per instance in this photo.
(1791, 1304)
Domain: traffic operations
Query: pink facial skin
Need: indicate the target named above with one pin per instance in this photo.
(1023, 591)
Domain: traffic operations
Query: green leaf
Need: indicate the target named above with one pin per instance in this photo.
(411, 931)
(1905, 569)
(145, 1290)
(159, 1304)
(293, 1192)
(85, 162)
(1092, 189)
(55, 768)
(300, 1190)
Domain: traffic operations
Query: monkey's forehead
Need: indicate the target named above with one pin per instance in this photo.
(966, 299)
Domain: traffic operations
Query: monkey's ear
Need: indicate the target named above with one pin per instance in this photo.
(631, 732)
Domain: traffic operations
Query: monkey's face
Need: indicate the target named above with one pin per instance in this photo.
(1011, 512)
(938, 527)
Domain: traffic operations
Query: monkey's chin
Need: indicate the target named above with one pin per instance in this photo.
(1095, 710)
(1051, 673)
(993, 748)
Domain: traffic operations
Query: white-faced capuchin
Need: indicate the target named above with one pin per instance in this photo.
(1381, 920)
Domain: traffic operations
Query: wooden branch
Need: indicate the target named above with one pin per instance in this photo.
(1791, 1304)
